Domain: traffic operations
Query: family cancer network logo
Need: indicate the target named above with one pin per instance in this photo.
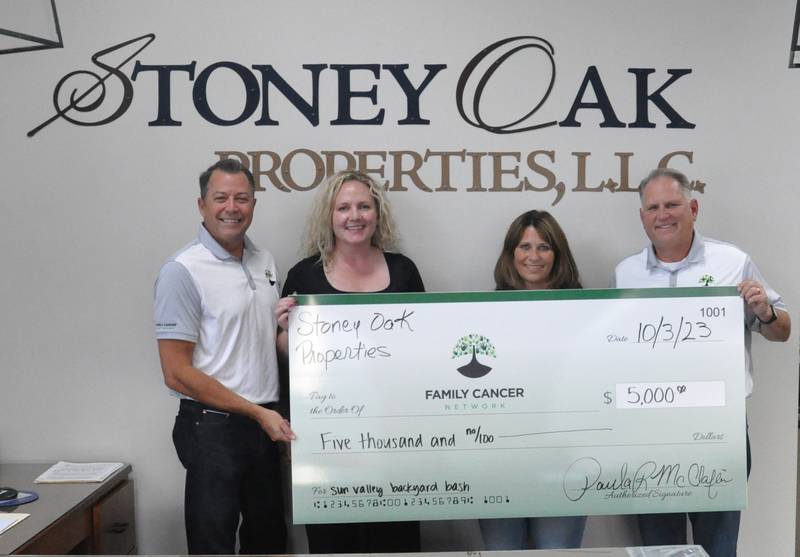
(474, 344)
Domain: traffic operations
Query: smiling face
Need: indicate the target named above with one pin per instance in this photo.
(227, 209)
(355, 214)
(668, 218)
(533, 260)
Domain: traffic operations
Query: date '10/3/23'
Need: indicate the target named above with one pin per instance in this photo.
(663, 331)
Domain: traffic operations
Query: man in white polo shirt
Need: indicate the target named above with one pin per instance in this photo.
(215, 325)
(679, 256)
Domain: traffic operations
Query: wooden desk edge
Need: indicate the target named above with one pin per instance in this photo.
(86, 504)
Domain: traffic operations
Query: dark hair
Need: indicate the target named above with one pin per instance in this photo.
(229, 166)
(564, 273)
(676, 175)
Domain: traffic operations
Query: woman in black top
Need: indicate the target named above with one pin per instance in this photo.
(349, 232)
(308, 277)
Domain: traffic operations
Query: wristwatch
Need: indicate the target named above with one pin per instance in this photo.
(771, 319)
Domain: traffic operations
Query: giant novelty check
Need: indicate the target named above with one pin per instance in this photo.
(503, 404)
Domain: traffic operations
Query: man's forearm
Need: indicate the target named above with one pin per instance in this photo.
(197, 385)
(780, 329)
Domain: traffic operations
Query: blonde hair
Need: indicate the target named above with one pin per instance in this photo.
(319, 237)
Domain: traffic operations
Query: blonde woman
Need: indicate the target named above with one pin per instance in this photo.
(348, 242)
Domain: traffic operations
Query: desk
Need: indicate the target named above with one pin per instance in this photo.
(85, 518)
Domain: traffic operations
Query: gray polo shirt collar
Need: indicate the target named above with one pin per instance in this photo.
(205, 238)
(697, 254)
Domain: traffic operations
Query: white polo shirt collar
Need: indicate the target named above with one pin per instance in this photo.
(208, 241)
(205, 238)
(697, 254)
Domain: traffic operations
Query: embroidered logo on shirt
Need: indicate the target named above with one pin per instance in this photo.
(270, 278)
(706, 280)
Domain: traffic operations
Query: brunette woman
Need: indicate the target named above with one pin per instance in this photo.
(535, 256)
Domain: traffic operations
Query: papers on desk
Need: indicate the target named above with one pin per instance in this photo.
(78, 472)
(7, 520)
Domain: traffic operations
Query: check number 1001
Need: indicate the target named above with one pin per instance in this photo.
(670, 395)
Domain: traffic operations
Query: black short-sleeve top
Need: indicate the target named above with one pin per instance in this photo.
(308, 277)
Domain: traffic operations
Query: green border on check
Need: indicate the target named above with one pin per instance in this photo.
(513, 295)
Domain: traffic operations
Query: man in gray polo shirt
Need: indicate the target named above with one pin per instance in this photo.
(679, 256)
(215, 325)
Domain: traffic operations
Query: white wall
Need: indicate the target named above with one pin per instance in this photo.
(89, 213)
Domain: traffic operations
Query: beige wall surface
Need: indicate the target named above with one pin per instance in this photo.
(97, 198)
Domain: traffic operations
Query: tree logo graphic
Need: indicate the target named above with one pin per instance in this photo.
(473, 345)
